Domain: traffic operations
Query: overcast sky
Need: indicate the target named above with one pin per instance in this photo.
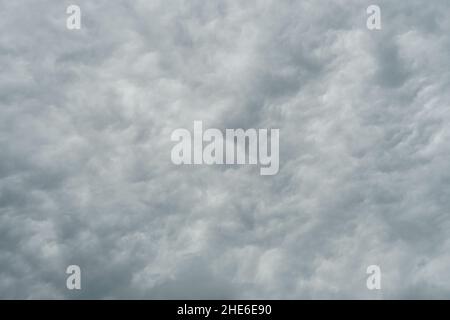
(85, 171)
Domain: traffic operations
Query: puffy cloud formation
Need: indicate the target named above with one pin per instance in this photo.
(85, 171)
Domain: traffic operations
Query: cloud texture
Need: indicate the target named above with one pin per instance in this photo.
(85, 170)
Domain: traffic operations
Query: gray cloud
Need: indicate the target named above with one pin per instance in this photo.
(85, 170)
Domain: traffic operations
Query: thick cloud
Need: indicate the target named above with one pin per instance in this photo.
(85, 170)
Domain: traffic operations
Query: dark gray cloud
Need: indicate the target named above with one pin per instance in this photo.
(85, 170)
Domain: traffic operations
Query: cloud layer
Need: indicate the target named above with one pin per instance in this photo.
(85, 170)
